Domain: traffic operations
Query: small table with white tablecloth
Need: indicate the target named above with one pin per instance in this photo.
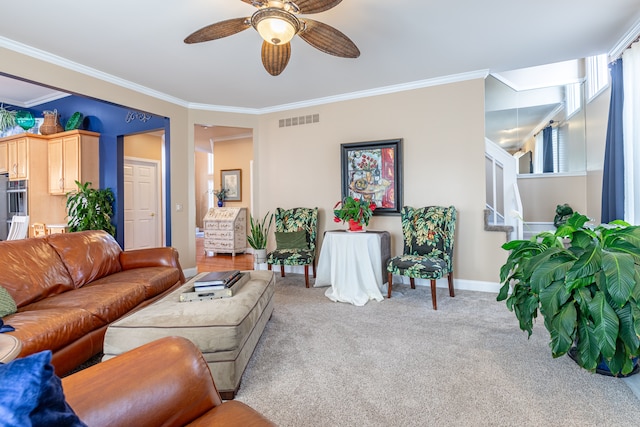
(353, 265)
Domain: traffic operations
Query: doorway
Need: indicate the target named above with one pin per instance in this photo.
(220, 148)
(143, 188)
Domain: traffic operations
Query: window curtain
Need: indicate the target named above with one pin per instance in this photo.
(631, 134)
(547, 149)
(613, 173)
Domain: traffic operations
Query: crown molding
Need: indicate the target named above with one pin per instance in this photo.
(625, 41)
(82, 69)
(92, 72)
(454, 78)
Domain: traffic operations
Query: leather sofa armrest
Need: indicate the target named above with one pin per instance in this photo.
(165, 382)
(151, 257)
(232, 414)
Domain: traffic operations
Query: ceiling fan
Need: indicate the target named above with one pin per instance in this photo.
(277, 22)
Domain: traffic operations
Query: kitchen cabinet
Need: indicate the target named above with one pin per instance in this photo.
(18, 154)
(73, 156)
(225, 230)
(4, 157)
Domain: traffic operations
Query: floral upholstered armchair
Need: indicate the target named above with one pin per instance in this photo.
(428, 235)
(296, 235)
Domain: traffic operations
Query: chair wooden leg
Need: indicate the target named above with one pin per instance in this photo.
(389, 285)
(269, 267)
(413, 282)
(314, 268)
(306, 275)
(451, 291)
(282, 270)
(433, 294)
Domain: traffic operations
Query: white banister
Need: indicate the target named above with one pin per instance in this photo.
(503, 197)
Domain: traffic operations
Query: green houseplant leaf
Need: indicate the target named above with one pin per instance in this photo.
(585, 281)
(90, 209)
(259, 231)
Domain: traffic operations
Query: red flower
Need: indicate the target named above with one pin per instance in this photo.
(373, 206)
(336, 219)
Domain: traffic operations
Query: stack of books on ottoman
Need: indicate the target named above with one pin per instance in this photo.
(214, 285)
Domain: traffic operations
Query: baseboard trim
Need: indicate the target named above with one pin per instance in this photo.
(458, 284)
(190, 272)
(462, 284)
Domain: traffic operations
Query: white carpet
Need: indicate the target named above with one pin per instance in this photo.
(399, 363)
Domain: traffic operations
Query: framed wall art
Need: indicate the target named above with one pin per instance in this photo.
(231, 180)
(373, 170)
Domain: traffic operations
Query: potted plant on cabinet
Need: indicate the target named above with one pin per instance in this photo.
(587, 290)
(7, 118)
(220, 195)
(257, 238)
(90, 209)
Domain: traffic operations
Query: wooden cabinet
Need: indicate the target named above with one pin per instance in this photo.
(4, 157)
(73, 156)
(225, 230)
(18, 154)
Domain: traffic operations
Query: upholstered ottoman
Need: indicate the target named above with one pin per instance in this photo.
(226, 330)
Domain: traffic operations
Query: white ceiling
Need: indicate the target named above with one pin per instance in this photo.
(403, 44)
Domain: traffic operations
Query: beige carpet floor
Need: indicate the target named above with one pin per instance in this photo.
(400, 363)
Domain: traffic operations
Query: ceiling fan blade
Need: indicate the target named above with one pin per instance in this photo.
(329, 40)
(275, 57)
(218, 30)
(257, 3)
(315, 6)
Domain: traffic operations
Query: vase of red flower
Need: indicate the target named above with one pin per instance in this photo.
(357, 212)
(354, 225)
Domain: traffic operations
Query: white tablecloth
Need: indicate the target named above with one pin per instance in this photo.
(350, 264)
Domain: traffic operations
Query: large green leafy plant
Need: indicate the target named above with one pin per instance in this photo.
(90, 209)
(585, 281)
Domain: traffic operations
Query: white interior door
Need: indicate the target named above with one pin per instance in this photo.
(141, 204)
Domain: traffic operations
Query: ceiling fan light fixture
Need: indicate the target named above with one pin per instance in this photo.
(275, 26)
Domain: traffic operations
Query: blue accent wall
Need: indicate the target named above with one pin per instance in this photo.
(113, 122)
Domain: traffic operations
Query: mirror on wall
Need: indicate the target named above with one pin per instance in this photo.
(537, 115)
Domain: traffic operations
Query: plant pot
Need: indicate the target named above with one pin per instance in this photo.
(260, 256)
(603, 368)
(220, 203)
(355, 226)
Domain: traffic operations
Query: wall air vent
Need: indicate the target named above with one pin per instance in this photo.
(299, 120)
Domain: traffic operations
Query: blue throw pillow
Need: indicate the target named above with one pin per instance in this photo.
(31, 394)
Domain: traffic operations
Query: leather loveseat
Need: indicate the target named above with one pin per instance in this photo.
(173, 387)
(69, 287)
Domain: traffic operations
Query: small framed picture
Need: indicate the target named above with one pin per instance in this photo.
(231, 180)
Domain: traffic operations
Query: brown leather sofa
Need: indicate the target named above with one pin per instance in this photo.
(173, 387)
(69, 287)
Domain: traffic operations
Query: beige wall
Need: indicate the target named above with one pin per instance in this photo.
(443, 132)
(201, 178)
(143, 146)
(234, 154)
(541, 194)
